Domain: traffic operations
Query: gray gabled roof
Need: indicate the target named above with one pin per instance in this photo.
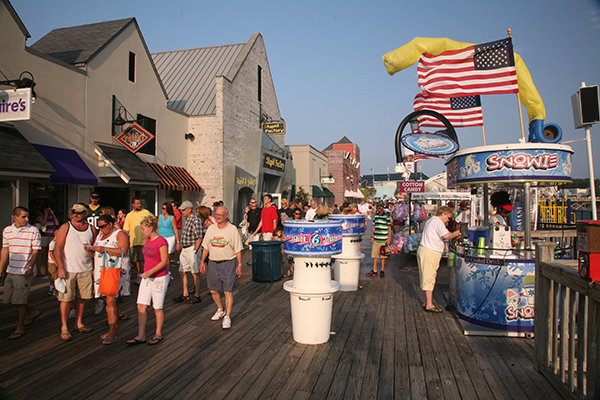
(79, 44)
(189, 75)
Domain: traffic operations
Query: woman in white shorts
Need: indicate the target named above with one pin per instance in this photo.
(155, 281)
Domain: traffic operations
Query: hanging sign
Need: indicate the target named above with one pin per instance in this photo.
(134, 138)
(274, 163)
(15, 105)
(411, 186)
(274, 128)
(433, 144)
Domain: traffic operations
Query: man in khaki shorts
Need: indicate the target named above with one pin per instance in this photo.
(21, 245)
(75, 264)
(132, 227)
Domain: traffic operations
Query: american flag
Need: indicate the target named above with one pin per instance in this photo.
(418, 157)
(460, 111)
(480, 69)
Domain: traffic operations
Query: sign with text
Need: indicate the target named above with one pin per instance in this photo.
(274, 128)
(274, 163)
(134, 137)
(411, 186)
(15, 105)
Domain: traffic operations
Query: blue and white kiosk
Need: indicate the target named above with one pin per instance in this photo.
(495, 289)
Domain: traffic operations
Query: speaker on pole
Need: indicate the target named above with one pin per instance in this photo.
(586, 109)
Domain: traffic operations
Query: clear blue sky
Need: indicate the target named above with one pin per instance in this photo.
(325, 58)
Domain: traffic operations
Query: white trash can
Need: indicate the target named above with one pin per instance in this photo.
(346, 271)
(311, 313)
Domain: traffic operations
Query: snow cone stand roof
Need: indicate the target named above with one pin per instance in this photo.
(511, 163)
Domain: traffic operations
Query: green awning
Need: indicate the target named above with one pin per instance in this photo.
(317, 192)
(328, 193)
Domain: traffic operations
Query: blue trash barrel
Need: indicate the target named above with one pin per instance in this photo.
(266, 260)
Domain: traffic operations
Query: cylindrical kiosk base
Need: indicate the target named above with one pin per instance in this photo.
(312, 273)
(350, 246)
(346, 271)
(312, 311)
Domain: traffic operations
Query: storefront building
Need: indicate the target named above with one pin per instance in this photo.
(344, 167)
(310, 168)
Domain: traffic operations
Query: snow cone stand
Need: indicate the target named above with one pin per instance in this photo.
(311, 291)
(491, 283)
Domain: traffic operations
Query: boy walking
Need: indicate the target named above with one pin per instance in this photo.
(382, 235)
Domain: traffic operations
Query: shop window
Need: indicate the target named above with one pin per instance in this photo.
(43, 194)
(148, 124)
(148, 199)
(259, 84)
(132, 67)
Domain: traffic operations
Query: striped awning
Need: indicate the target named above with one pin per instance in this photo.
(167, 182)
(183, 178)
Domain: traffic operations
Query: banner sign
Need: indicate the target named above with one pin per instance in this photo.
(352, 224)
(432, 144)
(317, 239)
(274, 128)
(15, 105)
(134, 138)
(275, 163)
(411, 186)
(511, 165)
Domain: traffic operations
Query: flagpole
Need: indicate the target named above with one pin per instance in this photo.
(483, 132)
(518, 99)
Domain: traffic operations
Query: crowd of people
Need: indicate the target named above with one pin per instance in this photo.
(99, 255)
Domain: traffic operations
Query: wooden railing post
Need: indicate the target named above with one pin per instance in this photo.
(544, 252)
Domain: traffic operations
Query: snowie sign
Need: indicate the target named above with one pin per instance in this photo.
(411, 186)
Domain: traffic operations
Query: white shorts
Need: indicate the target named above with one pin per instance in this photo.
(171, 242)
(267, 237)
(153, 291)
(187, 260)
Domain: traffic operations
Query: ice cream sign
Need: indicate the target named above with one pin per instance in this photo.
(15, 104)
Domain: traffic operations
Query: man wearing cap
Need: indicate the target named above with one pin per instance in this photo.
(190, 241)
(136, 238)
(501, 201)
(75, 264)
(94, 209)
(21, 245)
(285, 212)
(223, 247)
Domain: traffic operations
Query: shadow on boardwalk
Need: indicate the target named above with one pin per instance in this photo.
(385, 346)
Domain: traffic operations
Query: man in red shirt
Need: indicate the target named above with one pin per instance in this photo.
(268, 219)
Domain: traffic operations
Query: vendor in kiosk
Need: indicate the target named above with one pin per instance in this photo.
(501, 202)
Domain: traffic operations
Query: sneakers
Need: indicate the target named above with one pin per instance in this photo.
(99, 307)
(226, 322)
(381, 274)
(218, 315)
(72, 314)
(372, 273)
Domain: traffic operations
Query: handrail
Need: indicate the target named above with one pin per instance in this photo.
(567, 327)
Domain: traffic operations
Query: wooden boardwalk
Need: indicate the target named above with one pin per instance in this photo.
(385, 346)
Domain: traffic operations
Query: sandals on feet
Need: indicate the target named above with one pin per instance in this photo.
(180, 299)
(65, 336)
(135, 341)
(154, 341)
(433, 309)
(83, 329)
(193, 299)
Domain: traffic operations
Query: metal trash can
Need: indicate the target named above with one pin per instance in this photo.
(266, 260)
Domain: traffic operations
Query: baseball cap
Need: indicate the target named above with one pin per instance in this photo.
(283, 201)
(78, 208)
(450, 204)
(95, 195)
(186, 204)
(507, 207)
(463, 204)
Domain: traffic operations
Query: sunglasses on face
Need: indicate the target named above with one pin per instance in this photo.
(164, 208)
(102, 226)
(78, 212)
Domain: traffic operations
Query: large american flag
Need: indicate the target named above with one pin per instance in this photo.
(418, 157)
(480, 69)
(460, 111)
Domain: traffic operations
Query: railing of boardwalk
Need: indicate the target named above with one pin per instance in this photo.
(567, 327)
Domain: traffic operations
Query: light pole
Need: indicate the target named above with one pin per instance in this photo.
(373, 172)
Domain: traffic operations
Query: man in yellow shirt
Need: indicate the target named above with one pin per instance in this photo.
(137, 240)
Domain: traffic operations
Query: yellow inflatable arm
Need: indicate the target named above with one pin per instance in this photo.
(409, 54)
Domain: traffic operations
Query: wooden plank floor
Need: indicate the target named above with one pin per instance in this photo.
(385, 346)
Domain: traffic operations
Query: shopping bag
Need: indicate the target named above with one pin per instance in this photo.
(109, 276)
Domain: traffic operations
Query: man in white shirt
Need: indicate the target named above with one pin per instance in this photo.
(312, 211)
(21, 244)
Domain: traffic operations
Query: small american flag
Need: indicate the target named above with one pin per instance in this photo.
(487, 68)
(418, 157)
(460, 111)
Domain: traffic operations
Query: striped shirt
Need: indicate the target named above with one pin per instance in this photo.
(21, 242)
(381, 224)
